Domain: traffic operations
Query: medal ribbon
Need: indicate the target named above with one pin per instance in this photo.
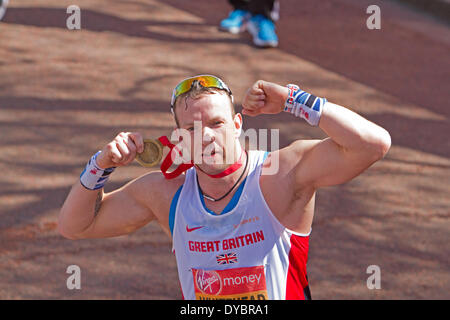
(167, 163)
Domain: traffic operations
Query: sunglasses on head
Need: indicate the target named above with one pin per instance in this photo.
(207, 81)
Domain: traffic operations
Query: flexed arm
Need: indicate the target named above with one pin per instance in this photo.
(354, 142)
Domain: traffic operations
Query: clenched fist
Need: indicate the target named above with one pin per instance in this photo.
(121, 151)
(264, 98)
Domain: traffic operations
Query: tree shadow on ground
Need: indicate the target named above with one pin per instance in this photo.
(96, 21)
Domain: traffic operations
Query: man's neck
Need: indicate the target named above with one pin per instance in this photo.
(217, 187)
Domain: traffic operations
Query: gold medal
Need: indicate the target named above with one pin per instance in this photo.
(152, 154)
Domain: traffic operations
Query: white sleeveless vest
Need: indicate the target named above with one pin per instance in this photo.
(241, 254)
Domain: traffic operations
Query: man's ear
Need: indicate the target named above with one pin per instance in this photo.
(238, 124)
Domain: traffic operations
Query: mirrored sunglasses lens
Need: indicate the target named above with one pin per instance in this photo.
(206, 82)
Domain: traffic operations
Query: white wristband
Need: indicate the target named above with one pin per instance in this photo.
(304, 105)
(93, 177)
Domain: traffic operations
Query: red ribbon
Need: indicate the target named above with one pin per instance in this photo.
(235, 166)
(165, 165)
(167, 162)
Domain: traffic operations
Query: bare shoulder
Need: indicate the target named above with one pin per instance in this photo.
(293, 205)
(280, 163)
(155, 192)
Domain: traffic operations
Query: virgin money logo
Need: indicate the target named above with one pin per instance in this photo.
(208, 282)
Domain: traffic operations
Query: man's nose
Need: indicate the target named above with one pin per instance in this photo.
(208, 135)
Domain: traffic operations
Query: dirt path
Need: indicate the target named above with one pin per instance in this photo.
(63, 94)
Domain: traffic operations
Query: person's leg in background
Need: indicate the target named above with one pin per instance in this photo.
(262, 23)
(264, 7)
(238, 18)
(256, 16)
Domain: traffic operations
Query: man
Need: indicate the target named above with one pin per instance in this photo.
(256, 16)
(3, 5)
(238, 230)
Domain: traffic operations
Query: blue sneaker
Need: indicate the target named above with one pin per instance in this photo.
(236, 21)
(263, 31)
(3, 5)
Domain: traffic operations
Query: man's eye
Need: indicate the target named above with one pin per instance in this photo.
(218, 123)
(190, 129)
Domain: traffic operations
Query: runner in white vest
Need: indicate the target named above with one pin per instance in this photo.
(244, 253)
(240, 230)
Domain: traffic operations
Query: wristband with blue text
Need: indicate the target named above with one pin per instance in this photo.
(93, 177)
(304, 105)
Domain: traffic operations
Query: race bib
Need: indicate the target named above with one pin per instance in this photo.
(232, 284)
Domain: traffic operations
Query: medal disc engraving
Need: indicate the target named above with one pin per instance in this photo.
(152, 154)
